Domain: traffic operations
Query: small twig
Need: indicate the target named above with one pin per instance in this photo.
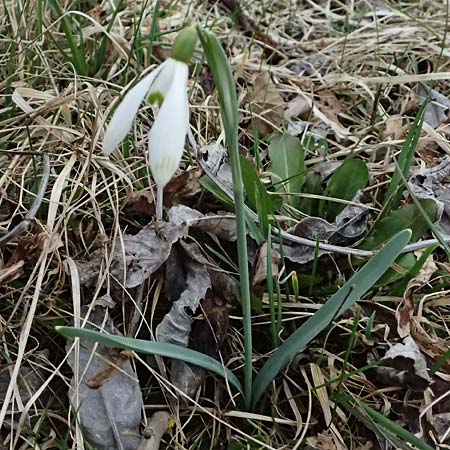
(25, 224)
(154, 431)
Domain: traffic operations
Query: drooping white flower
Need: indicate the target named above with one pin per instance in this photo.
(167, 85)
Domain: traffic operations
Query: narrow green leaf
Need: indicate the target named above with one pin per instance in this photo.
(394, 428)
(393, 195)
(212, 187)
(345, 182)
(375, 421)
(224, 81)
(347, 295)
(286, 154)
(154, 348)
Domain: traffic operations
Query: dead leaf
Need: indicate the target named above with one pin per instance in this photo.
(434, 183)
(296, 108)
(348, 226)
(176, 325)
(259, 269)
(31, 376)
(324, 441)
(438, 107)
(405, 366)
(330, 106)
(179, 190)
(393, 128)
(404, 313)
(11, 272)
(267, 103)
(134, 257)
(110, 413)
(405, 310)
(29, 248)
(208, 334)
(221, 225)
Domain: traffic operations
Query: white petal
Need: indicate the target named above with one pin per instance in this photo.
(168, 134)
(164, 79)
(123, 116)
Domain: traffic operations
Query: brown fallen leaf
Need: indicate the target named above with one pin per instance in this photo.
(259, 269)
(393, 128)
(405, 310)
(180, 190)
(267, 103)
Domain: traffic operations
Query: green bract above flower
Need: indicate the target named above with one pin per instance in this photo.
(167, 136)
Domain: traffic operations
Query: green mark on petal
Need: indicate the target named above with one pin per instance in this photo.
(184, 45)
(156, 97)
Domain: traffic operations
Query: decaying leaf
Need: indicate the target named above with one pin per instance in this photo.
(259, 270)
(207, 336)
(393, 128)
(438, 107)
(108, 399)
(221, 225)
(434, 183)
(404, 365)
(348, 226)
(324, 441)
(213, 156)
(134, 257)
(175, 327)
(267, 103)
(31, 377)
(405, 310)
(297, 107)
(180, 189)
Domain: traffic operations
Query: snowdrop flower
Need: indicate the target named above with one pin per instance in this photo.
(167, 86)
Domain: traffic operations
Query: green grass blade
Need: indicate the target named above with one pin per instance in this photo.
(226, 88)
(375, 421)
(77, 51)
(393, 195)
(347, 295)
(394, 428)
(154, 348)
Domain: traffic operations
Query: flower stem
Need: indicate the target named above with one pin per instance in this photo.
(159, 202)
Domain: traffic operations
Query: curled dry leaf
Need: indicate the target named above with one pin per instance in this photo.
(404, 365)
(434, 183)
(221, 225)
(108, 399)
(176, 325)
(405, 310)
(259, 270)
